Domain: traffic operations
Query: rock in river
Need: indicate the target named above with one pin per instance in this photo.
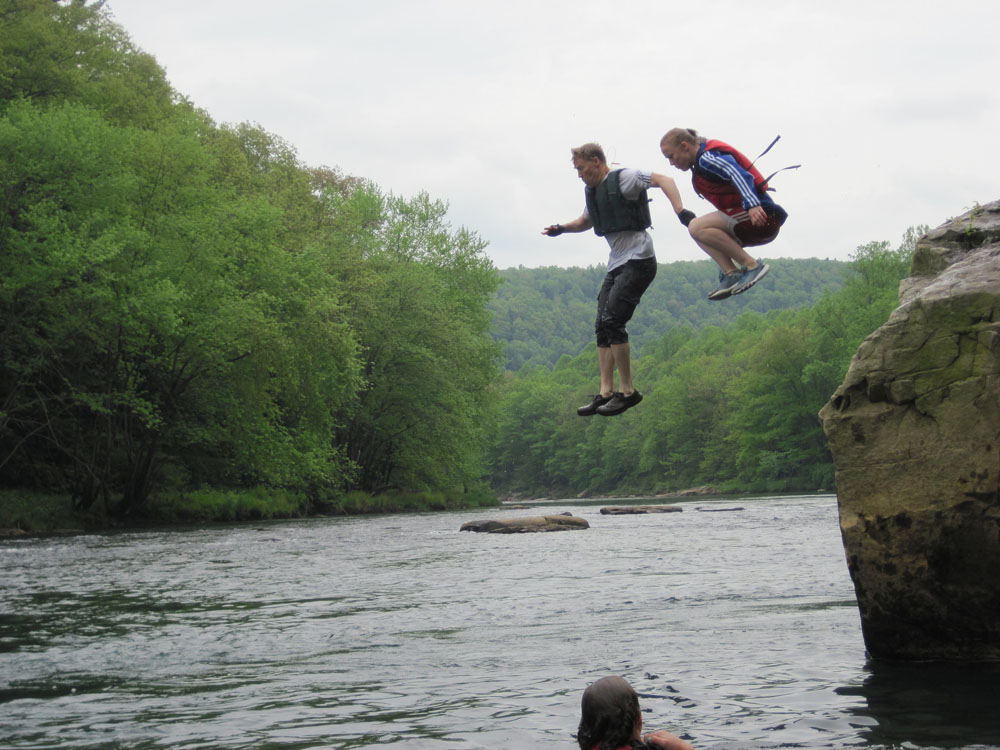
(527, 524)
(622, 510)
(915, 434)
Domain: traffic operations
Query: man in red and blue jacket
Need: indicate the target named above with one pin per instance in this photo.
(746, 215)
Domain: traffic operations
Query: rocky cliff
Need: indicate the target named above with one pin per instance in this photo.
(915, 434)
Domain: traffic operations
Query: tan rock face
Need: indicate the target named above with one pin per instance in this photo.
(915, 434)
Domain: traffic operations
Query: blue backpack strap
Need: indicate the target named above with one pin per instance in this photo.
(770, 146)
(776, 139)
(768, 178)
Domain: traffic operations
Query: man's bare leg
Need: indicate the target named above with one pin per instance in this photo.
(606, 362)
(623, 361)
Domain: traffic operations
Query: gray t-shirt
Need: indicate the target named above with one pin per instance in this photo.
(631, 244)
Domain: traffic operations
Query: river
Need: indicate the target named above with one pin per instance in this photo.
(735, 620)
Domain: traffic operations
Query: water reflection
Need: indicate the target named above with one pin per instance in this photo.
(929, 704)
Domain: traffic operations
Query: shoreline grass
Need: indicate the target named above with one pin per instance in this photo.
(30, 513)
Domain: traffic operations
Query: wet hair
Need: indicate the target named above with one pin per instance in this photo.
(677, 135)
(609, 712)
(589, 151)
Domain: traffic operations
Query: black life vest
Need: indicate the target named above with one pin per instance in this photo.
(612, 212)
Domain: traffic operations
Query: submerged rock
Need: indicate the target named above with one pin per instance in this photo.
(622, 510)
(527, 524)
(915, 434)
(719, 510)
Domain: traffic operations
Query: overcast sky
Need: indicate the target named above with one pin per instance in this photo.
(892, 108)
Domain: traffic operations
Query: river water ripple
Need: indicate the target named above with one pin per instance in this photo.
(737, 627)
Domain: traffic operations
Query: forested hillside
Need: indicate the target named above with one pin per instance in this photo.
(732, 405)
(542, 314)
(184, 306)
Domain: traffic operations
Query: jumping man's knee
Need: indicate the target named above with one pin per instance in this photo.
(612, 331)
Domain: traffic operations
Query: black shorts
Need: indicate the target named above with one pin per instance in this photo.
(620, 294)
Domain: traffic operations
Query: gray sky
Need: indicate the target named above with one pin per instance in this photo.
(891, 107)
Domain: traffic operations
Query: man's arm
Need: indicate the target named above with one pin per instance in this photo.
(669, 188)
(580, 224)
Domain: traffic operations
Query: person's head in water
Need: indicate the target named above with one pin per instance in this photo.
(609, 715)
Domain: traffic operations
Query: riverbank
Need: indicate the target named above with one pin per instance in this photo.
(31, 513)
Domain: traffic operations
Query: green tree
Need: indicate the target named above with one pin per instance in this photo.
(59, 51)
(186, 304)
(155, 322)
(419, 293)
(773, 421)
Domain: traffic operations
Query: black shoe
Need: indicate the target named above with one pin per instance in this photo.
(591, 409)
(619, 403)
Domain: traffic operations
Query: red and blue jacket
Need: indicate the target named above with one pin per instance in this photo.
(727, 179)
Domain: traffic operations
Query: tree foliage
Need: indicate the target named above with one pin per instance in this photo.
(186, 305)
(732, 405)
(543, 313)
(428, 360)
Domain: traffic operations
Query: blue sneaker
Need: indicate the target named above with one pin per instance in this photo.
(727, 283)
(751, 277)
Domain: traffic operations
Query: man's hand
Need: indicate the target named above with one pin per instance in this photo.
(554, 230)
(685, 216)
(758, 216)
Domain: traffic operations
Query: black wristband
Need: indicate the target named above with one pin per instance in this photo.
(685, 216)
(556, 230)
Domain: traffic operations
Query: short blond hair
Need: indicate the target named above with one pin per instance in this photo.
(589, 151)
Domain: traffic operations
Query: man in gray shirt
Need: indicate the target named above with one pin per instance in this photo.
(618, 210)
